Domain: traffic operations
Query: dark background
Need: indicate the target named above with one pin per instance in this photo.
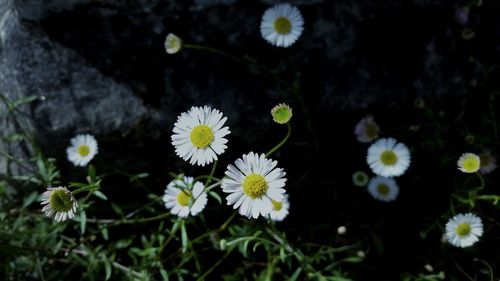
(102, 69)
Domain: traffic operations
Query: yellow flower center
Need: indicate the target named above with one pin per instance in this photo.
(184, 197)
(282, 25)
(83, 150)
(371, 130)
(254, 186)
(60, 200)
(277, 205)
(202, 136)
(463, 229)
(471, 164)
(383, 189)
(388, 157)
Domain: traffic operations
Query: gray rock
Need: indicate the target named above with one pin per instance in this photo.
(38, 9)
(72, 96)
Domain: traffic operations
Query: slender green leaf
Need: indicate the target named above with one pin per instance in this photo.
(30, 199)
(91, 173)
(100, 195)
(282, 255)
(215, 196)
(184, 237)
(104, 233)
(164, 274)
(22, 101)
(117, 209)
(107, 269)
(83, 221)
(295, 274)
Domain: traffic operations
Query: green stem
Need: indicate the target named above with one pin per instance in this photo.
(216, 264)
(213, 50)
(213, 185)
(268, 73)
(289, 132)
(209, 179)
(482, 181)
(11, 158)
(226, 223)
(301, 258)
(131, 221)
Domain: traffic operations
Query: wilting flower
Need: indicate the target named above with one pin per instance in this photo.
(59, 203)
(366, 130)
(488, 162)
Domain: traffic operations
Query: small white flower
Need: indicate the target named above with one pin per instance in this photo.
(388, 158)
(383, 189)
(488, 163)
(469, 163)
(253, 183)
(282, 25)
(199, 136)
(463, 230)
(183, 197)
(173, 44)
(83, 148)
(280, 209)
(59, 203)
(341, 230)
(429, 268)
(366, 130)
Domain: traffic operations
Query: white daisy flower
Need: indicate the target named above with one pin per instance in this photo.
(183, 197)
(388, 158)
(83, 148)
(253, 183)
(199, 136)
(173, 44)
(488, 162)
(59, 203)
(282, 25)
(280, 209)
(469, 163)
(383, 189)
(463, 230)
(366, 130)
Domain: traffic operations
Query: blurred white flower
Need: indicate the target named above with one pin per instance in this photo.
(83, 148)
(282, 25)
(388, 158)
